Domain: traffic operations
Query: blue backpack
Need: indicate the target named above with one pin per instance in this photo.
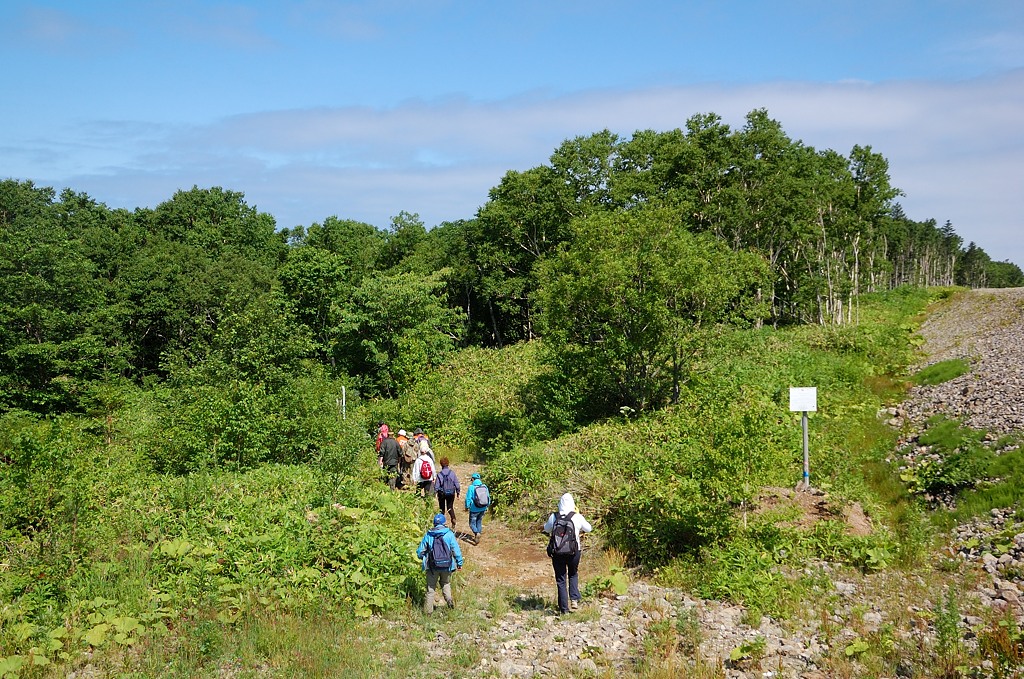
(446, 481)
(439, 558)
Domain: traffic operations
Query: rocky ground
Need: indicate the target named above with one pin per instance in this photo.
(985, 328)
(614, 632)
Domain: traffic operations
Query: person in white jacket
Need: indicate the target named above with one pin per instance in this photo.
(565, 548)
(424, 481)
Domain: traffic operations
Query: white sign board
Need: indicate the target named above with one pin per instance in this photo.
(803, 399)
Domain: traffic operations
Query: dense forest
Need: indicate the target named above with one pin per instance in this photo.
(615, 243)
(176, 457)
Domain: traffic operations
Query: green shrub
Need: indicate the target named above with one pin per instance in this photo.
(940, 372)
(474, 401)
(958, 460)
(241, 425)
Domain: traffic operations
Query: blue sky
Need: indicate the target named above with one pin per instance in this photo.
(364, 109)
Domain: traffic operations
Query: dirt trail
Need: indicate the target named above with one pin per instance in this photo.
(504, 555)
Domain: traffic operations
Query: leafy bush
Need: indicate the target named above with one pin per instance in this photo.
(665, 487)
(240, 425)
(228, 543)
(474, 401)
(957, 460)
(100, 552)
(45, 476)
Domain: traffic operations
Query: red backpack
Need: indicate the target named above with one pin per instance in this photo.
(426, 471)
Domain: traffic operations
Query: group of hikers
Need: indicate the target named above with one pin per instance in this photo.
(402, 458)
(441, 555)
(409, 461)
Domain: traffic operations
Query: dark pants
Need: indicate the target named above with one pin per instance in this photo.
(391, 474)
(446, 504)
(567, 566)
(425, 487)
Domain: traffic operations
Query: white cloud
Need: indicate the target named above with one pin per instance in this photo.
(954, 148)
(53, 31)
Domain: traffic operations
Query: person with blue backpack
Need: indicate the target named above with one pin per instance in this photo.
(564, 547)
(441, 557)
(478, 499)
(447, 486)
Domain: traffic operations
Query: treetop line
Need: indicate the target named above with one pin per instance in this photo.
(670, 231)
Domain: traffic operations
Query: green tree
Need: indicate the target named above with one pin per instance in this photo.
(625, 298)
(973, 267)
(397, 327)
(1004, 275)
(524, 219)
(219, 222)
(359, 245)
(205, 251)
(319, 284)
(403, 241)
(50, 301)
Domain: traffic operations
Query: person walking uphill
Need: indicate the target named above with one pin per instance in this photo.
(447, 486)
(423, 473)
(478, 499)
(441, 556)
(565, 548)
(388, 458)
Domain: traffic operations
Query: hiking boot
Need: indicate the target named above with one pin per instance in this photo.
(476, 538)
(573, 604)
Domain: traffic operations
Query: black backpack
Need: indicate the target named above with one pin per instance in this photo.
(563, 537)
(439, 558)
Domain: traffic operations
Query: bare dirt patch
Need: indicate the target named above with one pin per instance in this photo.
(808, 508)
(504, 555)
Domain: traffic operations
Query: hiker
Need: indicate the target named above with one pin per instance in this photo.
(565, 548)
(423, 474)
(382, 433)
(478, 499)
(388, 459)
(408, 457)
(447, 486)
(422, 442)
(441, 555)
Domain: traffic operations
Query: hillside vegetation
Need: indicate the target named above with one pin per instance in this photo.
(106, 552)
(187, 396)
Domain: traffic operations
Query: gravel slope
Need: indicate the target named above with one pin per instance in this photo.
(986, 328)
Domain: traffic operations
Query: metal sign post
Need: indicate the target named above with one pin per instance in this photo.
(804, 400)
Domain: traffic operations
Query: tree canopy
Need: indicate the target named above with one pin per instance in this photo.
(614, 252)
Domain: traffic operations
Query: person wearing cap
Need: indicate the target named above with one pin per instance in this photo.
(567, 567)
(476, 514)
(441, 576)
(422, 442)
